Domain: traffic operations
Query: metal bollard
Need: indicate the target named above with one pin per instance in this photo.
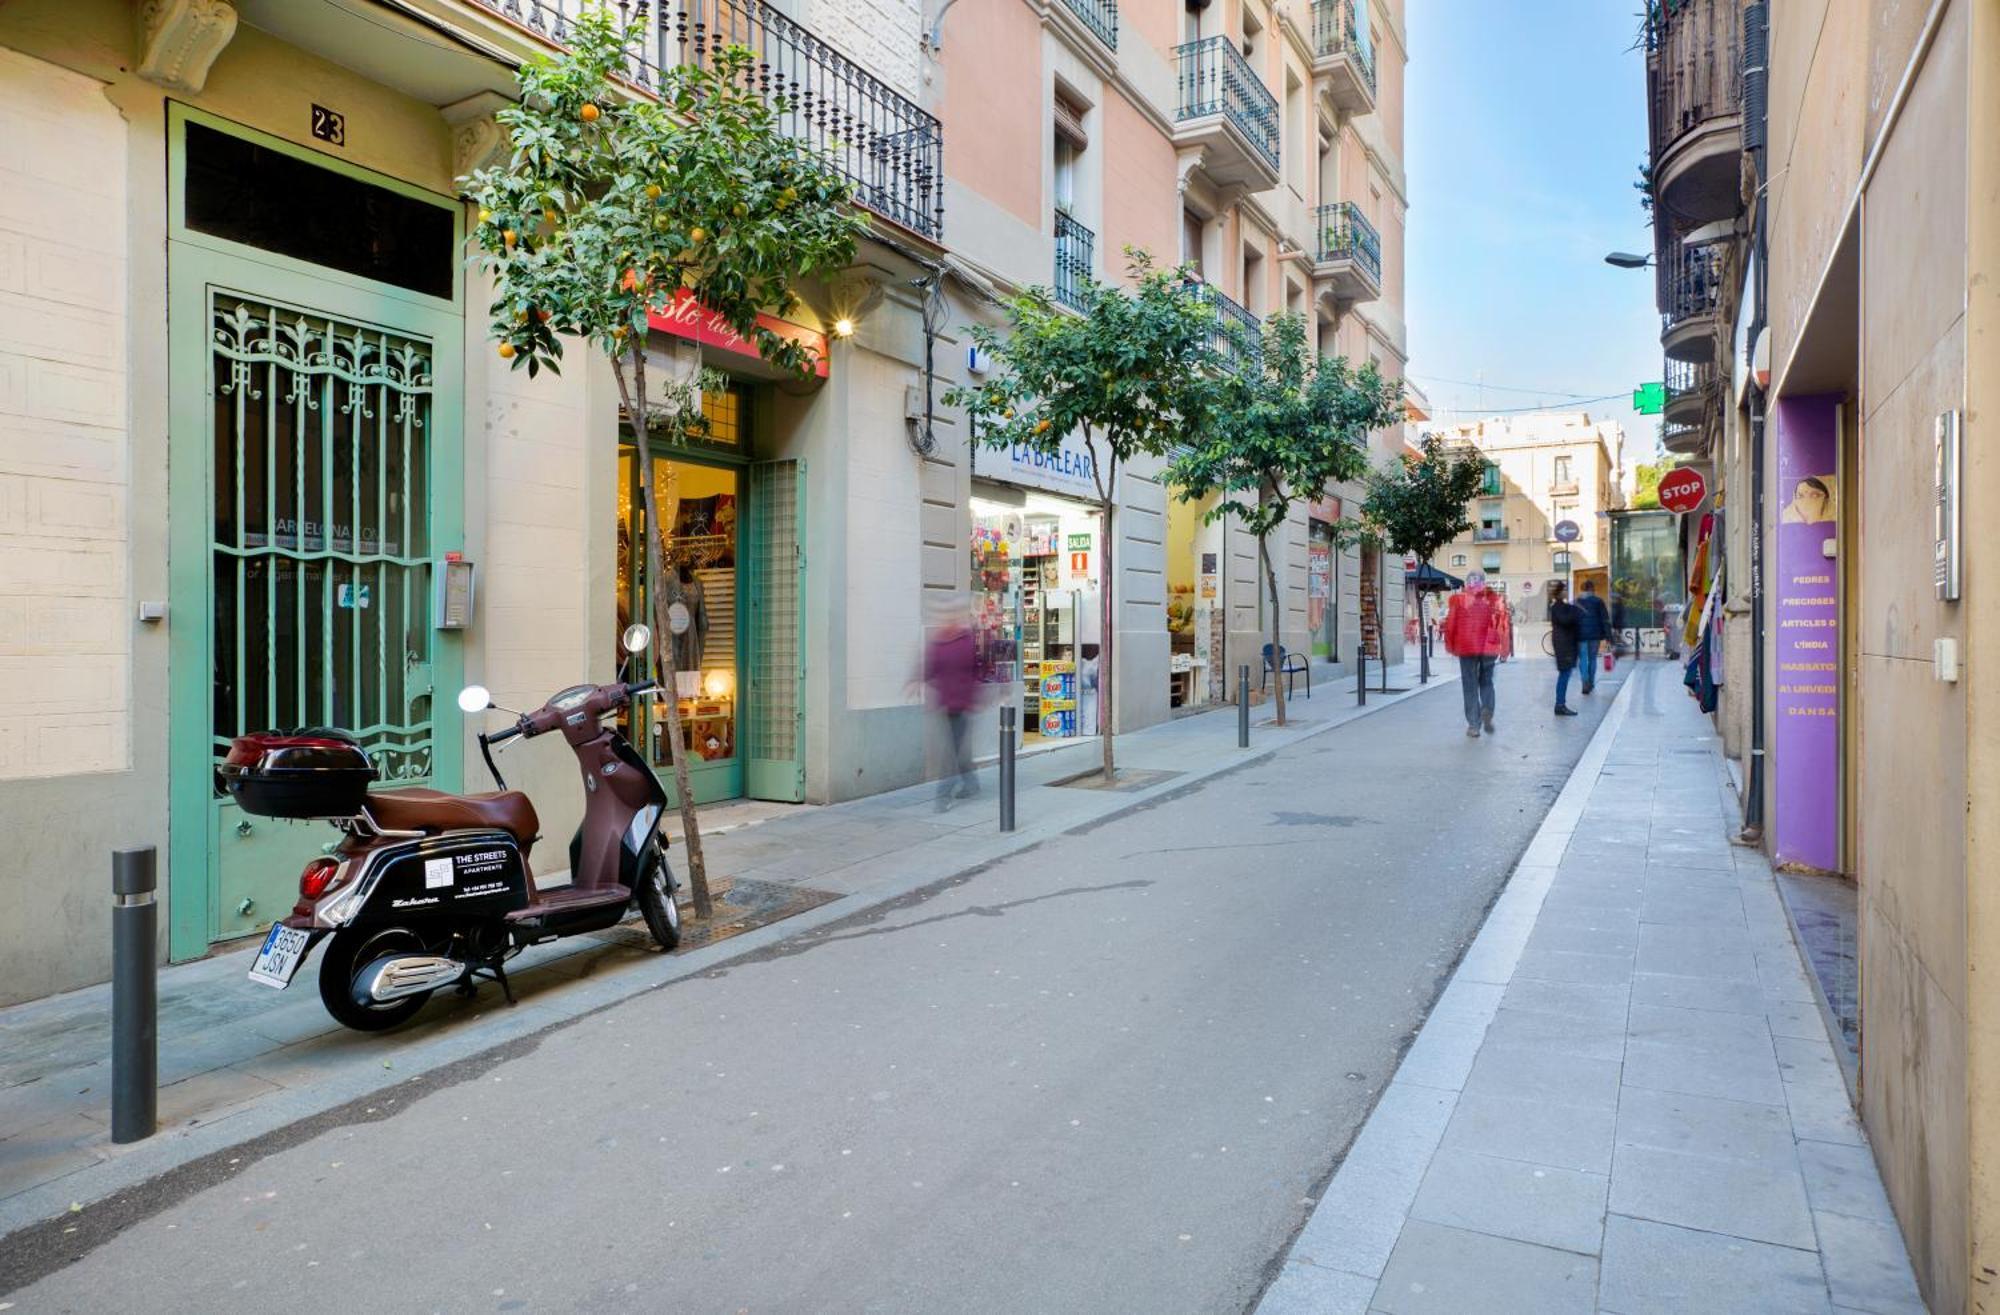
(135, 1027)
(1243, 706)
(1007, 715)
(1361, 672)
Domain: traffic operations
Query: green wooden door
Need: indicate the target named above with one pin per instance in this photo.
(316, 473)
(775, 695)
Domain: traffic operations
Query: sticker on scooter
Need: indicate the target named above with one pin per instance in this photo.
(437, 872)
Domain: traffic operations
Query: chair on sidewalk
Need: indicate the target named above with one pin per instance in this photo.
(1289, 665)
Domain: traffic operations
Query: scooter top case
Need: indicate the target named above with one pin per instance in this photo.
(460, 874)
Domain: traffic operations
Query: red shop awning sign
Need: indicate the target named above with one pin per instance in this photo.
(684, 317)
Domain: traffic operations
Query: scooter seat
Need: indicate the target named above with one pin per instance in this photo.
(434, 810)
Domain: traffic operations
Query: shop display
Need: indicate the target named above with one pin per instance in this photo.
(1056, 695)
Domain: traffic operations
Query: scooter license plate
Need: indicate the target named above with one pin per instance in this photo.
(278, 961)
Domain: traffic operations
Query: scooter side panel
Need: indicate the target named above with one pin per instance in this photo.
(457, 874)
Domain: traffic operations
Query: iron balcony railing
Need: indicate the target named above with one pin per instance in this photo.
(1238, 334)
(1074, 246)
(1490, 534)
(1687, 379)
(880, 141)
(1337, 31)
(1346, 234)
(1696, 65)
(1691, 284)
(1100, 16)
(1216, 79)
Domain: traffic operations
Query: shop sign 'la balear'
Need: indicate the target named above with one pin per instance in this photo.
(1066, 470)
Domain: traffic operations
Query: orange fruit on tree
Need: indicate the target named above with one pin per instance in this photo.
(484, 214)
(589, 113)
(653, 191)
(697, 235)
(509, 236)
(1041, 426)
(506, 351)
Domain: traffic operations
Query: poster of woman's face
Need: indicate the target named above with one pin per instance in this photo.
(1811, 502)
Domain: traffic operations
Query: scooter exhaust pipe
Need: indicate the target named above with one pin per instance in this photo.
(396, 976)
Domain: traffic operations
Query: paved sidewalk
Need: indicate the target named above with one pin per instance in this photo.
(1626, 1101)
(238, 1060)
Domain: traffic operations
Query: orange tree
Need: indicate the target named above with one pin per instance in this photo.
(616, 203)
(1131, 373)
(1297, 422)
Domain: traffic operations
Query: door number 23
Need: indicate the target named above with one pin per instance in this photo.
(329, 126)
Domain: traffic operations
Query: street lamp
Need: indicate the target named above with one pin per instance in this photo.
(1626, 260)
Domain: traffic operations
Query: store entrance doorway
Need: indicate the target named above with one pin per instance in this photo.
(1035, 606)
(734, 533)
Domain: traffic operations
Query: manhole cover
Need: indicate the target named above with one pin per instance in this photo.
(741, 904)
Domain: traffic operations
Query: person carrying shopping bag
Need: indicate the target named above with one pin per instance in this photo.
(1476, 632)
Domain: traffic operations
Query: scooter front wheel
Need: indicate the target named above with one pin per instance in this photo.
(353, 949)
(656, 904)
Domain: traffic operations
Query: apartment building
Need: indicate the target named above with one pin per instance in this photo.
(1825, 181)
(1548, 477)
(1259, 142)
(248, 410)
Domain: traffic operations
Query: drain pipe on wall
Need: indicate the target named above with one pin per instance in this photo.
(1756, 74)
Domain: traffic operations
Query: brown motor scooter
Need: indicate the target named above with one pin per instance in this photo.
(428, 889)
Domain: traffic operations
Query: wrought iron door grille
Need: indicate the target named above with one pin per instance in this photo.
(321, 530)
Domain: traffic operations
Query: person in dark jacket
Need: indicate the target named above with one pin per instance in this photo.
(1593, 628)
(1564, 620)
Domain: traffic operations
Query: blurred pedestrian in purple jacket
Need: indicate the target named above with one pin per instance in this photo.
(951, 670)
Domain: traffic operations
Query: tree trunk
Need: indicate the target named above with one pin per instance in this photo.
(1423, 633)
(1107, 614)
(1277, 626)
(666, 591)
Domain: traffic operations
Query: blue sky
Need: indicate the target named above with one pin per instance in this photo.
(1526, 129)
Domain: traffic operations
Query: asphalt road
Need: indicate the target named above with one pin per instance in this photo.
(1104, 1075)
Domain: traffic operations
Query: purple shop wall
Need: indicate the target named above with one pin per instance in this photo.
(1806, 748)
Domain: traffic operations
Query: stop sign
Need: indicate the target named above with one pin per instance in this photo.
(1683, 490)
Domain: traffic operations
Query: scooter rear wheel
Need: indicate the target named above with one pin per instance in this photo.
(351, 950)
(656, 904)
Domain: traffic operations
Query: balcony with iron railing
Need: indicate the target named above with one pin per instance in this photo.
(1075, 246)
(1343, 55)
(1691, 391)
(1238, 334)
(1490, 534)
(1690, 299)
(1099, 18)
(1349, 252)
(1694, 71)
(879, 140)
(1224, 109)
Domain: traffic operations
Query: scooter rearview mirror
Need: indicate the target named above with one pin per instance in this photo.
(474, 698)
(637, 637)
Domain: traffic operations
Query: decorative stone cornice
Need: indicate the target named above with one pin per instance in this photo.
(477, 139)
(180, 39)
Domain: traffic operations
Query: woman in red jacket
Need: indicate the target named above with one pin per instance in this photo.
(1477, 630)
